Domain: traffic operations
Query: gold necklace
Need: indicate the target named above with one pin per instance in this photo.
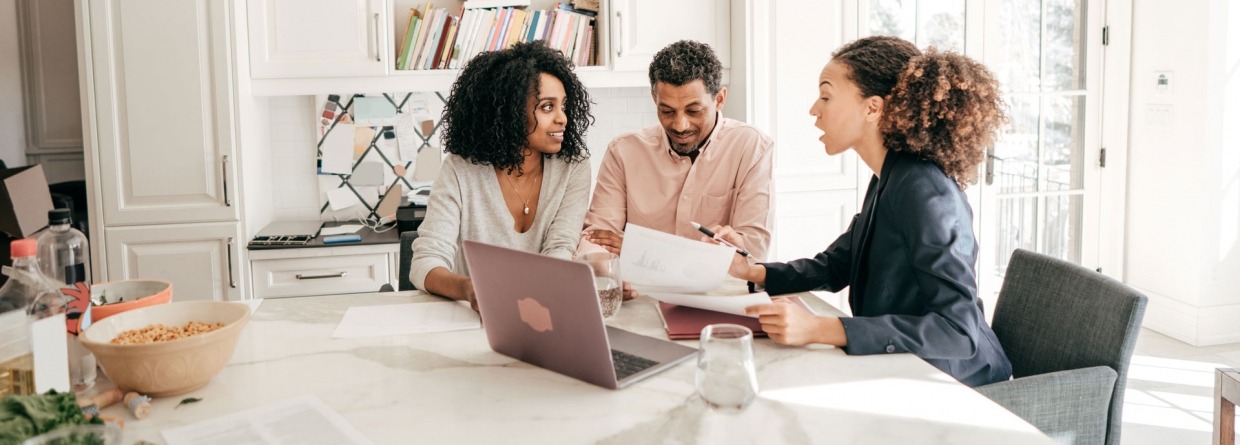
(524, 201)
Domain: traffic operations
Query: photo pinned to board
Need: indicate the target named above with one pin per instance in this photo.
(373, 149)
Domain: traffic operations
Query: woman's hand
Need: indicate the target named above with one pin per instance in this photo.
(787, 323)
(740, 267)
(611, 241)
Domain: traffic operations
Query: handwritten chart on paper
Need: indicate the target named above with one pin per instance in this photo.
(653, 261)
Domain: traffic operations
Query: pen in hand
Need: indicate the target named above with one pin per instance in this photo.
(711, 234)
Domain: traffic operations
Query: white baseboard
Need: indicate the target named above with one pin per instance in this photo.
(1197, 326)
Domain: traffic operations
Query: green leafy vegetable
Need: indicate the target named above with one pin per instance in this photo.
(187, 400)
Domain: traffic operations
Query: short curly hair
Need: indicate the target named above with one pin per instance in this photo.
(686, 61)
(940, 106)
(486, 119)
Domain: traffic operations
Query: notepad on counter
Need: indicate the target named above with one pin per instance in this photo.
(407, 318)
(686, 323)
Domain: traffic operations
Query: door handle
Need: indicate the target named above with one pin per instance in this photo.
(232, 281)
(620, 26)
(375, 35)
(341, 274)
(224, 175)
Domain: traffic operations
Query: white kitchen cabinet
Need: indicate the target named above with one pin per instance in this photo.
(160, 99)
(200, 260)
(318, 38)
(160, 120)
(640, 28)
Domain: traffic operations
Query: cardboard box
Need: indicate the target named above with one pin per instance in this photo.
(24, 200)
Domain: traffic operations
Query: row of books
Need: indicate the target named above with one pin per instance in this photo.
(436, 39)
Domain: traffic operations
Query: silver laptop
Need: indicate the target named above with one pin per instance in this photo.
(544, 311)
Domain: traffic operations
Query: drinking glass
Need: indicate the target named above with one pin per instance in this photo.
(606, 267)
(726, 379)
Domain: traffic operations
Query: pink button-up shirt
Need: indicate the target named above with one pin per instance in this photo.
(643, 181)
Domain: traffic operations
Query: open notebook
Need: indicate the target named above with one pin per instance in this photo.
(686, 323)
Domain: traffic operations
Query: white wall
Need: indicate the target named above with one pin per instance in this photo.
(12, 122)
(1183, 248)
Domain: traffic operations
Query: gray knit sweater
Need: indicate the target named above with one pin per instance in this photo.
(466, 203)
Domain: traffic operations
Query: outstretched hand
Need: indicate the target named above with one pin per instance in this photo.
(740, 267)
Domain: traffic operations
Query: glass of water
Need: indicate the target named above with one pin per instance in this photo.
(726, 379)
(606, 267)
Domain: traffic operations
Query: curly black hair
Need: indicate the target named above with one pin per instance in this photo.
(940, 106)
(486, 119)
(686, 61)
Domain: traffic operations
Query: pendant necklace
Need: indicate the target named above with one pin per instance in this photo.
(524, 201)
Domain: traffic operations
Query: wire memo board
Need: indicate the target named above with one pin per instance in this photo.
(368, 149)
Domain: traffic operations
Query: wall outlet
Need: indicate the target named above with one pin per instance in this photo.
(1163, 82)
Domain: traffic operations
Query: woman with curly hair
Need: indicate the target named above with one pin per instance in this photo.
(922, 123)
(517, 173)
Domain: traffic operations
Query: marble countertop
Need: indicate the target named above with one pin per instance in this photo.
(451, 388)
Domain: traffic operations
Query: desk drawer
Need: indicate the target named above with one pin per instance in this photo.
(337, 274)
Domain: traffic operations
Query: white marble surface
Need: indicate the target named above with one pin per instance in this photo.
(451, 388)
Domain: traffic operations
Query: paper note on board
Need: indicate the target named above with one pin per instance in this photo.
(653, 261)
(362, 137)
(337, 150)
(342, 198)
(373, 110)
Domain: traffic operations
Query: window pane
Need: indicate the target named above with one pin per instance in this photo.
(1019, 46)
(1062, 138)
(1061, 229)
(1063, 44)
(894, 18)
(1017, 229)
(1016, 169)
(942, 25)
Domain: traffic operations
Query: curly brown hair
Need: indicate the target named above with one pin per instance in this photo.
(686, 61)
(940, 106)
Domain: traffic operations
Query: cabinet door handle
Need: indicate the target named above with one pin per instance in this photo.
(224, 175)
(620, 26)
(375, 36)
(232, 281)
(341, 274)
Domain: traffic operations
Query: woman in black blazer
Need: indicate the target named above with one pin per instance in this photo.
(922, 123)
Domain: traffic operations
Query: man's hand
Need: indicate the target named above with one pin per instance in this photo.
(607, 239)
(466, 293)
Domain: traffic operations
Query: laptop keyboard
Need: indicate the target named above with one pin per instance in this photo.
(629, 364)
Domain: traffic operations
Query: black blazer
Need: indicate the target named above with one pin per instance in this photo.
(909, 259)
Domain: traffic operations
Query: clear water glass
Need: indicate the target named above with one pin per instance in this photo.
(606, 268)
(726, 379)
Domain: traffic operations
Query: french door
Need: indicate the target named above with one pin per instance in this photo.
(1039, 188)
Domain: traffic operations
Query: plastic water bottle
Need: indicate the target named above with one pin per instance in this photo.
(64, 252)
(64, 256)
(23, 288)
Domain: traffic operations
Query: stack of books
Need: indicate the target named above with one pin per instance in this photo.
(436, 39)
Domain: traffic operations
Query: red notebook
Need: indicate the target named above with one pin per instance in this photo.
(686, 323)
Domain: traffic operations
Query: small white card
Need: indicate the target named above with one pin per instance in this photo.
(407, 318)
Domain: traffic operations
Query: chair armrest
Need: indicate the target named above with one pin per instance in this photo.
(1071, 406)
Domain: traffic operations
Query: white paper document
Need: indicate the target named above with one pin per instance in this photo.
(653, 261)
(340, 229)
(304, 419)
(337, 150)
(342, 198)
(408, 318)
(732, 304)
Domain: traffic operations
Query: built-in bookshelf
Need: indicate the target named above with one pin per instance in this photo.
(436, 37)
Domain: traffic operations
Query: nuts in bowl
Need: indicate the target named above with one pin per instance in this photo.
(167, 349)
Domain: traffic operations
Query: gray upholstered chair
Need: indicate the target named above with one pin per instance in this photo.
(1069, 332)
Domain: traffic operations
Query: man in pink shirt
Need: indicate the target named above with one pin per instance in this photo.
(695, 166)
